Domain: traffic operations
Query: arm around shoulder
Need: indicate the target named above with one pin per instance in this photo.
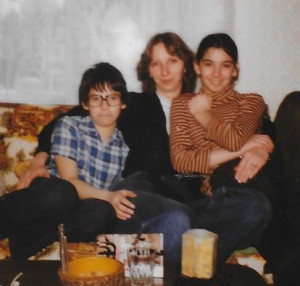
(37, 168)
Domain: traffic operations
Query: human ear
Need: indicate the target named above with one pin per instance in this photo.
(196, 67)
(84, 106)
(236, 71)
(123, 106)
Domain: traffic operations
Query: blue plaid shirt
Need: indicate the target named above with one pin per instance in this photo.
(99, 164)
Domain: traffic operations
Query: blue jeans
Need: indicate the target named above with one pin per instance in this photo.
(155, 214)
(239, 216)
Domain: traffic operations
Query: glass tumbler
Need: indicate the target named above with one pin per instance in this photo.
(141, 261)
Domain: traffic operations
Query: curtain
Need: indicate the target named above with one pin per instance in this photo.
(46, 45)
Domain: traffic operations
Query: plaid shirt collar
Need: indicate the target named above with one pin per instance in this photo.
(87, 125)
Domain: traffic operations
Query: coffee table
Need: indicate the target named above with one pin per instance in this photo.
(44, 273)
(34, 272)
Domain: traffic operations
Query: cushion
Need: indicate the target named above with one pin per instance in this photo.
(20, 125)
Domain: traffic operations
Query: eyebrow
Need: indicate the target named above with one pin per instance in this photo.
(208, 60)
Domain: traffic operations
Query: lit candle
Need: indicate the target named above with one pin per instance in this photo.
(198, 253)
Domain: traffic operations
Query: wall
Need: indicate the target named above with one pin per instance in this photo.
(268, 36)
(45, 45)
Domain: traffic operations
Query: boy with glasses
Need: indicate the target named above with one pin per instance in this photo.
(87, 157)
(89, 153)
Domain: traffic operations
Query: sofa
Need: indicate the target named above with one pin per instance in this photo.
(20, 125)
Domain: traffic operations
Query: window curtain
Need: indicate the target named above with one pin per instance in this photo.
(46, 45)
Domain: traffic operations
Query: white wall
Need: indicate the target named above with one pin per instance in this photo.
(45, 45)
(268, 36)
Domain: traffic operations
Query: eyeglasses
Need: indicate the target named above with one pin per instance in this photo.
(111, 100)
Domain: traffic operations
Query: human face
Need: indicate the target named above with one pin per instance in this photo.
(167, 71)
(216, 70)
(103, 115)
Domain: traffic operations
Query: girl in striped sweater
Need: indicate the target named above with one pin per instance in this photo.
(217, 124)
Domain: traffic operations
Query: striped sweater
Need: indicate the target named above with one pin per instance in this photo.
(235, 118)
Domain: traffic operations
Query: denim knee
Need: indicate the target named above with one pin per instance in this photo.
(170, 223)
(259, 209)
(253, 207)
(178, 220)
(175, 224)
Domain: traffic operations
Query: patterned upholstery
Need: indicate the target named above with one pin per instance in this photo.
(20, 125)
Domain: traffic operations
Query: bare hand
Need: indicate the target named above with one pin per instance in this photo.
(123, 207)
(31, 173)
(259, 141)
(200, 103)
(251, 163)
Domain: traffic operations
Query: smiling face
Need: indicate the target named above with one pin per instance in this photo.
(167, 71)
(216, 70)
(104, 115)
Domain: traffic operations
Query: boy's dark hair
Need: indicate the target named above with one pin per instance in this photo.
(175, 46)
(218, 40)
(99, 75)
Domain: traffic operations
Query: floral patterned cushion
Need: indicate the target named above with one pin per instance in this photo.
(20, 125)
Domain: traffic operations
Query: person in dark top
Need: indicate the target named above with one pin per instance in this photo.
(281, 242)
(92, 208)
(287, 122)
(166, 70)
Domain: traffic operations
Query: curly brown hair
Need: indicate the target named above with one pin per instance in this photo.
(175, 46)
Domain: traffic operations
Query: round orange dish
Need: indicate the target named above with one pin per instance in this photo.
(94, 266)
